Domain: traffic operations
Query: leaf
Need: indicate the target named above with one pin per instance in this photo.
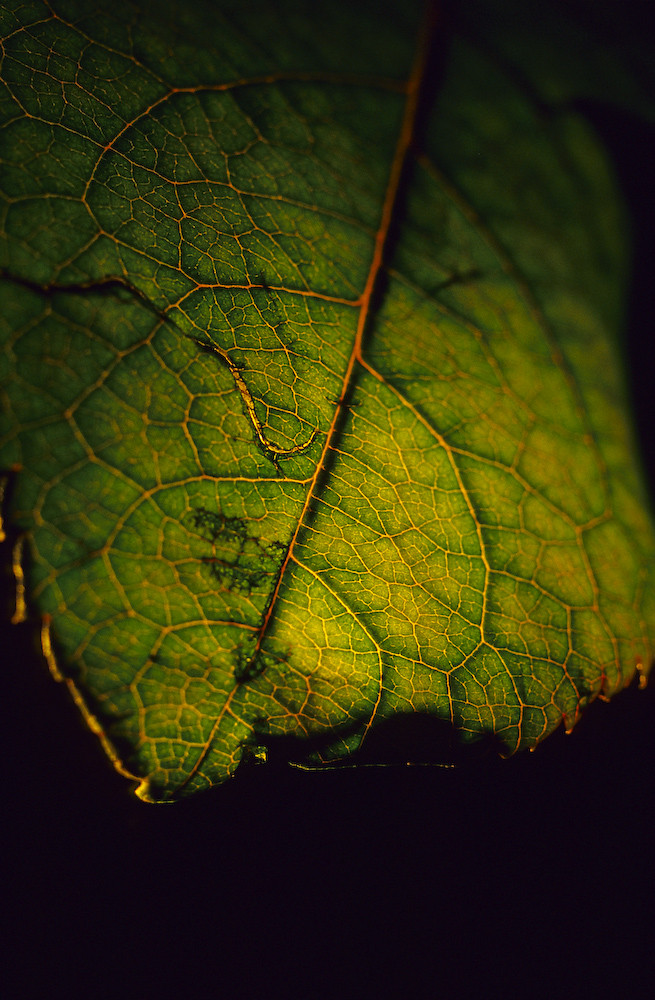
(312, 388)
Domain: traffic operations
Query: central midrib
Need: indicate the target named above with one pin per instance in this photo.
(413, 88)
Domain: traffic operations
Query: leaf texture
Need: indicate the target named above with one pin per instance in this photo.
(312, 390)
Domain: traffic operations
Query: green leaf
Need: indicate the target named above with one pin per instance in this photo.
(312, 385)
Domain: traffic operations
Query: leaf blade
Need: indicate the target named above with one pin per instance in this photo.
(356, 502)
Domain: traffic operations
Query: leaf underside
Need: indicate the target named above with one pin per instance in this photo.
(311, 385)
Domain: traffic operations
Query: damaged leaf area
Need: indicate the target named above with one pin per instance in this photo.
(313, 411)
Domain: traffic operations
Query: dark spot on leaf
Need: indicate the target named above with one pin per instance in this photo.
(239, 561)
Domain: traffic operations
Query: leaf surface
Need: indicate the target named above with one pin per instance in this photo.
(311, 385)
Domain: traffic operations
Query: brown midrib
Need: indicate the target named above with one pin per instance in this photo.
(413, 91)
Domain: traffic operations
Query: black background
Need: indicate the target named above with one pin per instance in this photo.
(532, 876)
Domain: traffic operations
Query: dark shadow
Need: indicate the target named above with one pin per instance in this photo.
(415, 739)
(630, 143)
(422, 739)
